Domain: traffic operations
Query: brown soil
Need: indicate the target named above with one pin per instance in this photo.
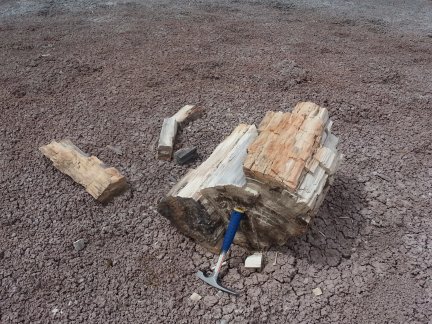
(107, 74)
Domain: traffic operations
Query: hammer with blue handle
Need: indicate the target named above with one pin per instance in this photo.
(236, 216)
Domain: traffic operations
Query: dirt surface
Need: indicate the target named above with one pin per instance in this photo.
(107, 73)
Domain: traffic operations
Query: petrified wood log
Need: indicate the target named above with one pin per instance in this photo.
(99, 180)
(279, 173)
(170, 126)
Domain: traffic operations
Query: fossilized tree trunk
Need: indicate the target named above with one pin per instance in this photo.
(279, 173)
(100, 181)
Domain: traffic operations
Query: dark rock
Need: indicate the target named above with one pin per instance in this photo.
(185, 155)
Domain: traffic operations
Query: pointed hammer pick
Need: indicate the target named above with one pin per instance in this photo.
(213, 280)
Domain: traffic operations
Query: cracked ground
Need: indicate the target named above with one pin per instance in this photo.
(105, 74)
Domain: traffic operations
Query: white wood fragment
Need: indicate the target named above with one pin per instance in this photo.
(331, 142)
(275, 260)
(166, 139)
(186, 114)
(195, 297)
(254, 261)
(218, 166)
(317, 291)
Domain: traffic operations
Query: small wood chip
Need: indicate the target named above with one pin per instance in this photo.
(322, 234)
(275, 261)
(195, 297)
(254, 261)
(317, 291)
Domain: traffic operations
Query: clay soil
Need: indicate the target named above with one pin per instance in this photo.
(107, 73)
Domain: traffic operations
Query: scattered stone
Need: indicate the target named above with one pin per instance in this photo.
(223, 321)
(79, 245)
(317, 291)
(195, 297)
(185, 155)
(254, 261)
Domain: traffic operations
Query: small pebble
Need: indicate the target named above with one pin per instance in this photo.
(185, 155)
(79, 245)
(254, 261)
(195, 297)
(317, 291)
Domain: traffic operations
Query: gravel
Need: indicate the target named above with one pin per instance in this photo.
(107, 73)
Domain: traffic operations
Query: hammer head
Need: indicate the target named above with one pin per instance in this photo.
(213, 281)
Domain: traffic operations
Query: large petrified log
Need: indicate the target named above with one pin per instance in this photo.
(279, 173)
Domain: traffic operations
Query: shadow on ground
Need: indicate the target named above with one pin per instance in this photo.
(336, 228)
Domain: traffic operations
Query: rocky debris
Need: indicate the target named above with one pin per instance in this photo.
(254, 261)
(317, 291)
(79, 244)
(185, 155)
(195, 297)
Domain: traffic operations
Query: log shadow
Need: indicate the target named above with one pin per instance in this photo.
(336, 227)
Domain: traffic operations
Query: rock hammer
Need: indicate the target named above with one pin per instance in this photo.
(213, 280)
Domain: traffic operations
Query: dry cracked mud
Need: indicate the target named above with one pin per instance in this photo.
(105, 74)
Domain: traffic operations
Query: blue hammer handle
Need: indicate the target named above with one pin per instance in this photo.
(236, 216)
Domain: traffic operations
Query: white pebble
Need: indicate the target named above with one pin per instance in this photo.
(317, 291)
(254, 261)
(195, 297)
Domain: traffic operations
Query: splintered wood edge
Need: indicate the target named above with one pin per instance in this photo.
(190, 185)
